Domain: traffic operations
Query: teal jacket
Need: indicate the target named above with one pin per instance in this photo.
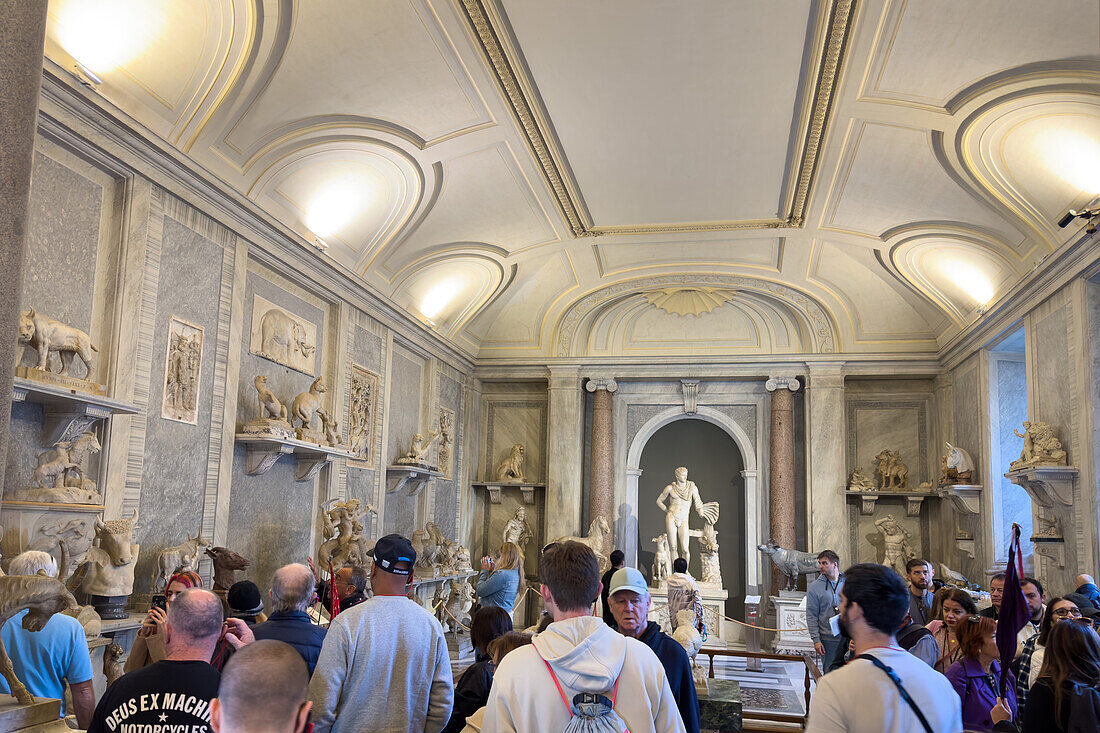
(498, 588)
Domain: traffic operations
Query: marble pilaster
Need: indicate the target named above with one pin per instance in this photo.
(827, 466)
(22, 37)
(781, 466)
(601, 464)
(564, 446)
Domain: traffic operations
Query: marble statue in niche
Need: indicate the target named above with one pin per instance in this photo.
(364, 397)
(893, 474)
(598, 539)
(111, 559)
(708, 555)
(61, 475)
(272, 419)
(417, 455)
(226, 563)
(1041, 447)
(304, 410)
(50, 336)
(898, 551)
(510, 470)
(446, 442)
(43, 596)
(957, 466)
(791, 563)
(179, 558)
(284, 338)
(182, 365)
(858, 481)
(517, 530)
(682, 495)
(662, 563)
(344, 540)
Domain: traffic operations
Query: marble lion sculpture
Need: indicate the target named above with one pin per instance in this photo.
(511, 468)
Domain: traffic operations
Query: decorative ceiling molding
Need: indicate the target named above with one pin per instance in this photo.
(822, 332)
(689, 301)
(514, 82)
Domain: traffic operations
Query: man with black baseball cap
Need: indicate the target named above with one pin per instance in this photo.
(384, 664)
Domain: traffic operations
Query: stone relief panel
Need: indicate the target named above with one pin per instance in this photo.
(446, 422)
(182, 363)
(451, 458)
(363, 388)
(283, 337)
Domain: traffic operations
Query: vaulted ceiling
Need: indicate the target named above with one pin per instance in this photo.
(535, 179)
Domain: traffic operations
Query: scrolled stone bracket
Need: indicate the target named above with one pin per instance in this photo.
(494, 490)
(1052, 548)
(966, 498)
(67, 413)
(1047, 485)
(409, 479)
(265, 451)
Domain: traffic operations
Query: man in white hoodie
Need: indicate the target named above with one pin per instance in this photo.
(578, 653)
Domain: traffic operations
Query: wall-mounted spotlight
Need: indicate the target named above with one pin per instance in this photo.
(86, 76)
(1092, 215)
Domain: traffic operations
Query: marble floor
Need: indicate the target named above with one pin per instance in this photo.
(779, 688)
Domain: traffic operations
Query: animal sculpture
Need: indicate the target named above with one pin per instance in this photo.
(108, 564)
(511, 468)
(331, 428)
(791, 563)
(112, 663)
(958, 466)
(54, 464)
(281, 335)
(599, 539)
(307, 403)
(893, 474)
(662, 563)
(458, 605)
(42, 596)
(269, 404)
(46, 335)
(226, 562)
(181, 557)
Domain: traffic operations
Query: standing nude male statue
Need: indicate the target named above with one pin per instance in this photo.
(682, 495)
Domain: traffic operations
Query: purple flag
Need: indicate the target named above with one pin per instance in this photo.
(1014, 613)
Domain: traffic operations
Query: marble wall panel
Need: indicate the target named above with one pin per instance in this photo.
(24, 446)
(1054, 403)
(867, 540)
(510, 422)
(874, 426)
(968, 410)
(175, 467)
(404, 401)
(447, 492)
(1011, 411)
(367, 349)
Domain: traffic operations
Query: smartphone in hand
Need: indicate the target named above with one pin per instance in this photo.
(160, 601)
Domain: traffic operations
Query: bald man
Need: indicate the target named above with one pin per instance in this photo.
(263, 690)
(174, 693)
(1086, 586)
(291, 594)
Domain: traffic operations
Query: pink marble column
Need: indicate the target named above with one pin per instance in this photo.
(601, 463)
(781, 467)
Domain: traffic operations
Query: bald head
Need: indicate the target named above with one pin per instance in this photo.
(292, 588)
(194, 623)
(263, 690)
(1085, 580)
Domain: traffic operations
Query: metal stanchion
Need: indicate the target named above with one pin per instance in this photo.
(752, 635)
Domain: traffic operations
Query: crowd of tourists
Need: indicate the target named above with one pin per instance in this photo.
(900, 655)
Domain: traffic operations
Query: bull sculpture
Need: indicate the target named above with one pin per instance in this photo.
(791, 563)
(111, 559)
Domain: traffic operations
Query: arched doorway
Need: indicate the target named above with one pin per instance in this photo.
(717, 467)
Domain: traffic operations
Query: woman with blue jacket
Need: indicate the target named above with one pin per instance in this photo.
(501, 580)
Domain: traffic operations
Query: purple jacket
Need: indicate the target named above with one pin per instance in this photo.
(978, 697)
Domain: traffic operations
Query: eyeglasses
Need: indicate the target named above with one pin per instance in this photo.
(1067, 613)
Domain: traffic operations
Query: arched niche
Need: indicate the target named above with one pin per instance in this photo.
(749, 474)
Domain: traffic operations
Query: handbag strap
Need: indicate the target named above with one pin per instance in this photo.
(901, 688)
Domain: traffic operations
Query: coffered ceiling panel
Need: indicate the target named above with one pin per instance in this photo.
(649, 100)
(385, 63)
(928, 50)
(622, 255)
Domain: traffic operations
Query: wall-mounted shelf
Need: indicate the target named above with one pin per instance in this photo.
(1052, 548)
(966, 498)
(263, 452)
(68, 412)
(495, 487)
(1047, 485)
(411, 479)
(913, 500)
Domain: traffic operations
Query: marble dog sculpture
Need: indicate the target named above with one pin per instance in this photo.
(45, 334)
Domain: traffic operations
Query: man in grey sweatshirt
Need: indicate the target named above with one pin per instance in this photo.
(384, 665)
(822, 603)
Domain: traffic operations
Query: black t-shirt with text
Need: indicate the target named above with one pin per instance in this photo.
(166, 697)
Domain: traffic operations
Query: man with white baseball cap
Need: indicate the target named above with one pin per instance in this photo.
(628, 600)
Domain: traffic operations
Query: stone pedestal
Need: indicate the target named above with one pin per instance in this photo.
(781, 466)
(601, 484)
(720, 706)
(790, 619)
(44, 716)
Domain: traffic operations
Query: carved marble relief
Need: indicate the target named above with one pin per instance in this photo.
(361, 415)
(182, 366)
(446, 442)
(282, 337)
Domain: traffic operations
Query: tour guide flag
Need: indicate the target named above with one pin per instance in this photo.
(1014, 613)
(334, 597)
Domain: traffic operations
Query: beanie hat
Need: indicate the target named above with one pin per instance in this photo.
(244, 599)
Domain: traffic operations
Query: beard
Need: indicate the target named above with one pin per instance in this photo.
(843, 623)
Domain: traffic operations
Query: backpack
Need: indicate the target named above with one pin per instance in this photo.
(590, 712)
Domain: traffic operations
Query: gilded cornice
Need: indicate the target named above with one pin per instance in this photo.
(513, 82)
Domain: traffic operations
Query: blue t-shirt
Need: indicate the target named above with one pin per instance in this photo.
(42, 659)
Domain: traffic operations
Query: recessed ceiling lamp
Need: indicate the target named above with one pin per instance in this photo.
(439, 296)
(973, 282)
(102, 35)
(332, 209)
(1074, 157)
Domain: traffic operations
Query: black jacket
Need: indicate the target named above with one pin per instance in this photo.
(294, 628)
(678, 671)
(471, 693)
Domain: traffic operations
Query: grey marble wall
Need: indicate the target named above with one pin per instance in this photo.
(404, 403)
(447, 492)
(1010, 412)
(367, 350)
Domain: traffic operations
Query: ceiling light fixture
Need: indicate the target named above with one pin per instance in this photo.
(439, 297)
(86, 76)
(102, 35)
(973, 282)
(1092, 215)
(332, 210)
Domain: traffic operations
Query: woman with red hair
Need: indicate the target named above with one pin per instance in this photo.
(149, 645)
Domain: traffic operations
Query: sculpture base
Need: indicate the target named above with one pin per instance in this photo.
(309, 435)
(415, 463)
(42, 716)
(110, 607)
(790, 619)
(268, 427)
(60, 380)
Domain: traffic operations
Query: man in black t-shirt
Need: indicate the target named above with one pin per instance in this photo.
(618, 559)
(177, 690)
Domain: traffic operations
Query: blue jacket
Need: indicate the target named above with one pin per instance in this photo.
(820, 597)
(295, 628)
(677, 671)
(1090, 591)
(498, 588)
